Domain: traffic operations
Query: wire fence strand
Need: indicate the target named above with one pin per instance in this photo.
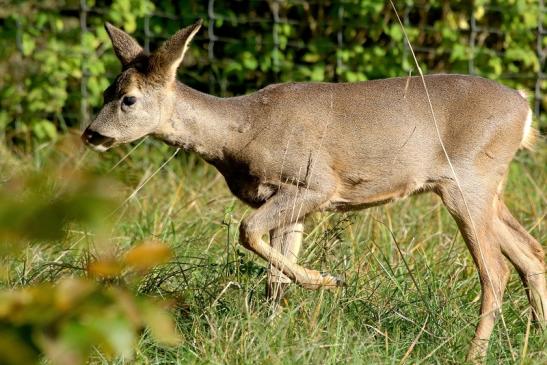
(269, 19)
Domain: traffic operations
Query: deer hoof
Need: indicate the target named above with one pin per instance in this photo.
(325, 281)
(333, 281)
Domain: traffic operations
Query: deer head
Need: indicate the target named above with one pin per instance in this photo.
(142, 97)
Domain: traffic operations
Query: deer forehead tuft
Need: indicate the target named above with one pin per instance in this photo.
(129, 80)
(124, 83)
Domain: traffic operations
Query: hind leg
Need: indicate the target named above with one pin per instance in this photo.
(527, 255)
(287, 240)
(477, 229)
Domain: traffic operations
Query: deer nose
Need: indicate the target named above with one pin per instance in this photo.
(96, 139)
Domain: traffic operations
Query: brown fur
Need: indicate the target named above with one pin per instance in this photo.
(292, 149)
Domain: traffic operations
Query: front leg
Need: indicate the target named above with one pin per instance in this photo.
(287, 240)
(287, 206)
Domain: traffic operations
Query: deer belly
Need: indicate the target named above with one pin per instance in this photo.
(367, 196)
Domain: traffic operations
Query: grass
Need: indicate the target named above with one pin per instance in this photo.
(419, 305)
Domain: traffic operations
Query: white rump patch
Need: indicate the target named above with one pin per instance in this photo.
(529, 134)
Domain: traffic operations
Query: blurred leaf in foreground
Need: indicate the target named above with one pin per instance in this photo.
(40, 205)
(69, 320)
(147, 255)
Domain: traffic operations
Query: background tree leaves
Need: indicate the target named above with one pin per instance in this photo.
(55, 57)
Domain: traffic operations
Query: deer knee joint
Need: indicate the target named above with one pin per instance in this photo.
(248, 234)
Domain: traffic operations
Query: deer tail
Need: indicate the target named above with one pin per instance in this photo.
(530, 134)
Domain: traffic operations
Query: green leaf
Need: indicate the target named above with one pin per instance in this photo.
(45, 130)
(161, 325)
(28, 44)
(249, 61)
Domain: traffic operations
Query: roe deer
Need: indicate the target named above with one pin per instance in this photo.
(292, 149)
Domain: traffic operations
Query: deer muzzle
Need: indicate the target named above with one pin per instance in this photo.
(97, 141)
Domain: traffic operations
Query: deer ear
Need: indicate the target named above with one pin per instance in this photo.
(169, 56)
(125, 46)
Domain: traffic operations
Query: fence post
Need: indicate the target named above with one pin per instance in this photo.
(274, 7)
(19, 35)
(406, 22)
(211, 45)
(147, 33)
(472, 40)
(84, 111)
(340, 41)
(541, 59)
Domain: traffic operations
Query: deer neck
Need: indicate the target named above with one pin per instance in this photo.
(205, 124)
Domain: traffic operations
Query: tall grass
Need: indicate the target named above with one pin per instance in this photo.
(419, 305)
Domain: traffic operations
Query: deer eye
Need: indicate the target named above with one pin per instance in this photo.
(129, 100)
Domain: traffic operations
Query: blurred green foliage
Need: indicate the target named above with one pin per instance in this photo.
(55, 58)
(69, 320)
(93, 307)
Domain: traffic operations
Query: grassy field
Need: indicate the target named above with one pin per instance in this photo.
(419, 305)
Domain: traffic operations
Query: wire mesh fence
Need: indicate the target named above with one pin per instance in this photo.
(248, 44)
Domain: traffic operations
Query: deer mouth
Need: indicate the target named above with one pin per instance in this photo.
(97, 141)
